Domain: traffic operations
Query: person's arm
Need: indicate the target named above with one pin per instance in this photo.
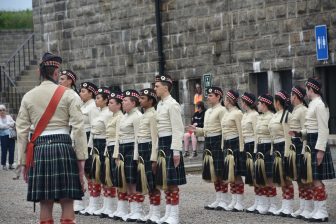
(238, 118)
(177, 127)
(10, 121)
(154, 137)
(136, 123)
(322, 115)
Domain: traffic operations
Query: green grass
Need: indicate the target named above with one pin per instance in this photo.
(16, 19)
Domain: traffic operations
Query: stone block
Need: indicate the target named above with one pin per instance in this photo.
(263, 43)
(103, 39)
(280, 11)
(314, 6)
(280, 40)
(261, 14)
(251, 16)
(59, 6)
(291, 9)
(290, 25)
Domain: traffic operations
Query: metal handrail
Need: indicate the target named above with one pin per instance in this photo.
(17, 61)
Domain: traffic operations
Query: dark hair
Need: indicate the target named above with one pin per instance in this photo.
(201, 105)
(134, 99)
(105, 97)
(170, 86)
(320, 94)
(118, 101)
(47, 72)
(285, 103)
(154, 101)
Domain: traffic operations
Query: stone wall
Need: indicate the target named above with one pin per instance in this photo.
(114, 42)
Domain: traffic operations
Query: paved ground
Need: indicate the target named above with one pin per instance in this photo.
(15, 209)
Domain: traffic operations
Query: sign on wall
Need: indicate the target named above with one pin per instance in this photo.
(207, 82)
(321, 40)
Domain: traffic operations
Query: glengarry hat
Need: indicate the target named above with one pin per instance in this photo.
(70, 74)
(214, 89)
(104, 91)
(299, 91)
(313, 83)
(89, 86)
(248, 98)
(116, 95)
(131, 93)
(233, 95)
(164, 78)
(148, 92)
(266, 98)
(283, 95)
(50, 60)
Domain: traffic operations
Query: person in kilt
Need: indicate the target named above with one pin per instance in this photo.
(213, 138)
(233, 146)
(170, 173)
(97, 142)
(279, 129)
(115, 106)
(87, 94)
(126, 154)
(296, 124)
(54, 161)
(318, 158)
(248, 123)
(264, 156)
(147, 139)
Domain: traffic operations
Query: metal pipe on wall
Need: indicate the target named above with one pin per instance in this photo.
(159, 36)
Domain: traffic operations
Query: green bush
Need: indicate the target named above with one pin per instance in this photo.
(16, 19)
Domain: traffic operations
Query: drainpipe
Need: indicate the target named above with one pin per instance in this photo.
(159, 36)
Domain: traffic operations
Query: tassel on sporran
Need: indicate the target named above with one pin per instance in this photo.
(249, 169)
(208, 171)
(260, 170)
(229, 165)
(161, 171)
(290, 168)
(121, 178)
(108, 176)
(278, 177)
(142, 184)
(306, 171)
(95, 167)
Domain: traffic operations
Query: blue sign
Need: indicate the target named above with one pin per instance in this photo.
(321, 40)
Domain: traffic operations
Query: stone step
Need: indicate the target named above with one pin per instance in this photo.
(31, 83)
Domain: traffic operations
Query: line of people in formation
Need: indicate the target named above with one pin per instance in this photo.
(277, 140)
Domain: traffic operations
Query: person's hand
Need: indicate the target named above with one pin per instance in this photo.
(25, 173)
(295, 134)
(319, 157)
(154, 165)
(176, 159)
(80, 164)
(117, 162)
(191, 128)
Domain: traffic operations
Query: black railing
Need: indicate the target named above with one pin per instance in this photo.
(21, 58)
(9, 91)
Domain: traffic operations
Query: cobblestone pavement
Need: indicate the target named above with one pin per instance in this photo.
(15, 209)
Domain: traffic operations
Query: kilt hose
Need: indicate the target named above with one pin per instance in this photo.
(130, 165)
(265, 149)
(299, 157)
(175, 175)
(325, 170)
(100, 144)
(214, 145)
(233, 144)
(248, 148)
(54, 174)
(113, 166)
(145, 150)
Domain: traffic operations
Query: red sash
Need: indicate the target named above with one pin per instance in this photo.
(42, 124)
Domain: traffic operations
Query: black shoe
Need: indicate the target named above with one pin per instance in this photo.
(318, 220)
(131, 220)
(186, 154)
(11, 167)
(102, 215)
(194, 154)
(207, 207)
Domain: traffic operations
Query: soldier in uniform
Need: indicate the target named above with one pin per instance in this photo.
(264, 155)
(87, 94)
(170, 130)
(316, 132)
(233, 145)
(52, 159)
(296, 124)
(97, 142)
(248, 123)
(213, 139)
(126, 151)
(147, 139)
(115, 106)
(279, 130)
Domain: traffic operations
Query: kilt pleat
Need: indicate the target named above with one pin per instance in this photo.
(299, 157)
(130, 165)
(214, 145)
(248, 148)
(113, 166)
(88, 161)
(145, 150)
(175, 175)
(280, 147)
(233, 144)
(100, 144)
(55, 174)
(265, 149)
(325, 170)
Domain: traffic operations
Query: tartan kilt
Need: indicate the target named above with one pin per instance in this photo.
(214, 145)
(130, 165)
(145, 150)
(299, 157)
(280, 147)
(265, 149)
(54, 174)
(113, 166)
(233, 144)
(325, 170)
(88, 161)
(100, 144)
(248, 147)
(175, 175)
